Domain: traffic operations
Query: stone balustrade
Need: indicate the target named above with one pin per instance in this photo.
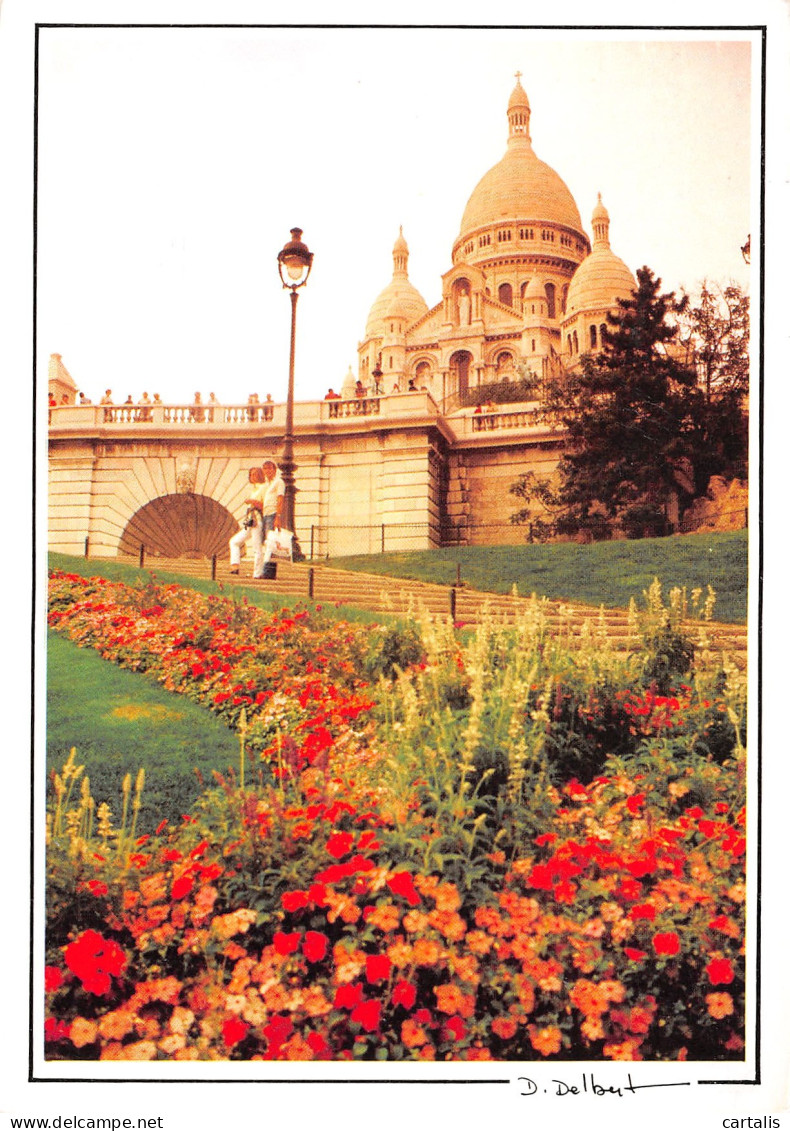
(307, 413)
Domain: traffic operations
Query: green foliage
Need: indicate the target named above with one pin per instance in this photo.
(640, 433)
(390, 648)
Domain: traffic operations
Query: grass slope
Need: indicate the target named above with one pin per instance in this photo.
(120, 721)
(603, 573)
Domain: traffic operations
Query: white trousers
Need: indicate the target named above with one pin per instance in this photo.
(246, 534)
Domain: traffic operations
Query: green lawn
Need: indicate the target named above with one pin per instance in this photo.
(603, 573)
(120, 721)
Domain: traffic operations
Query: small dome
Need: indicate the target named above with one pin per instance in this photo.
(535, 289)
(599, 212)
(349, 386)
(602, 278)
(399, 299)
(519, 95)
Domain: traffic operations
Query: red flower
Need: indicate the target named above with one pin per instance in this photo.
(95, 960)
(315, 945)
(634, 954)
(404, 994)
(666, 943)
(368, 841)
(377, 967)
(348, 996)
(546, 838)
(635, 803)
(720, 971)
(294, 900)
(455, 1028)
(278, 1030)
(565, 892)
(541, 877)
(318, 1044)
(97, 888)
(401, 883)
(286, 943)
(53, 979)
(56, 1030)
(642, 911)
(182, 886)
(233, 1031)
(367, 1014)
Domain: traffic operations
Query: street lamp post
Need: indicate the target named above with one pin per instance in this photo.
(294, 263)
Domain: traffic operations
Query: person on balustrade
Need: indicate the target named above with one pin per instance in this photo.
(251, 526)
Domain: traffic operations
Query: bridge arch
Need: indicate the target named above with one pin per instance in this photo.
(179, 525)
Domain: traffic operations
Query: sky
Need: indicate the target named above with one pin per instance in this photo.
(173, 162)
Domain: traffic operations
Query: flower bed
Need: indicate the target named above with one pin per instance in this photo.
(415, 870)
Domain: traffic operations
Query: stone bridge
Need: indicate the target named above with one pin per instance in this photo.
(374, 473)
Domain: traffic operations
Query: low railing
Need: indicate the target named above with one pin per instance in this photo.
(79, 417)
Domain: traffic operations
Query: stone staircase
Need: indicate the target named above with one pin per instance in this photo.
(328, 586)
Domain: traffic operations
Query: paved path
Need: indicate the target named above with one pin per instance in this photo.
(395, 595)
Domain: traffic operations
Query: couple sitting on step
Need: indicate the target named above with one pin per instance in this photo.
(264, 513)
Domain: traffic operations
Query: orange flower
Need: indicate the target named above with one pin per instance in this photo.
(466, 967)
(83, 1032)
(412, 1035)
(504, 1027)
(592, 1029)
(116, 1025)
(415, 922)
(447, 898)
(386, 917)
(719, 1005)
(546, 1041)
(426, 951)
(477, 1052)
(400, 953)
(525, 991)
(449, 924)
(449, 999)
(297, 1048)
(627, 1050)
(479, 942)
(426, 885)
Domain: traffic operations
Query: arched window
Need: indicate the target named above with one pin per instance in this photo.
(504, 366)
(550, 298)
(604, 333)
(575, 342)
(533, 345)
(422, 374)
(593, 338)
(506, 294)
(564, 299)
(570, 344)
(460, 363)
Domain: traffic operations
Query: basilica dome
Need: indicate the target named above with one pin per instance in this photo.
(400, 298)
(602, 278)
(520, 187)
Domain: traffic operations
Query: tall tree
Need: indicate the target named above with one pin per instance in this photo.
(631, 418)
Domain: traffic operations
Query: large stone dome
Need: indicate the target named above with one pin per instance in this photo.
(399, 299)
(520, 187)
(602, 278)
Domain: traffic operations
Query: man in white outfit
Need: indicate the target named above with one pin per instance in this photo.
(272, 508)
(250, 533)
